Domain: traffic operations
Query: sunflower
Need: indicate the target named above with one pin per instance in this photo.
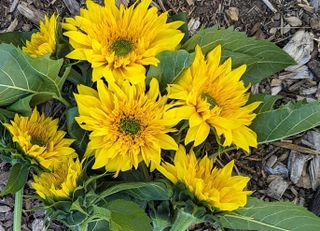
(211, 95)
(119, 42)
(127, 124)
(44, 41)
(59, 183)
(217, 187)
(38, 137)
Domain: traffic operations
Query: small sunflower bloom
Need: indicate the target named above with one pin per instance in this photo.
(39, 138)
(44, 41)
(127, 124)
(217, 187)
(210, 95)
(60, 183)
(119, 42)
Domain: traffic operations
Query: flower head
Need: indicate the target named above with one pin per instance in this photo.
(127, 124)
(59, 183)
(119, 42)
(215, 186)
(38, 137)
(44, 41)
(211, 95)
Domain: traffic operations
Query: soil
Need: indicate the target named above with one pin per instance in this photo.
(269, 166)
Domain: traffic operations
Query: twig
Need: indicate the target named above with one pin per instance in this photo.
(270, 6)
(296, 147)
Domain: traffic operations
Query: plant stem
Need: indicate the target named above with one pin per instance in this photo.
(145, 171)
(17, 210)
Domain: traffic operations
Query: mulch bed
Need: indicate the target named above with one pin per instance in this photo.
(287, 170)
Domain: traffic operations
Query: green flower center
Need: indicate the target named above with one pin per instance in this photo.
(122, 47)
(130, 126)
(209, 99)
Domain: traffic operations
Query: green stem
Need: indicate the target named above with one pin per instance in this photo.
(145, 171)
(17, 210)
(65, 102)
(183, 221)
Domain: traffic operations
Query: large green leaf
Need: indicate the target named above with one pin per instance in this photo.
(142, 190)
(16, 38)
(24, 77)
(288, 120)
(171, 66)
(81, 137)
(262, 57)
(127, 216)
(271, 216)
(267, 101)
(17, 179)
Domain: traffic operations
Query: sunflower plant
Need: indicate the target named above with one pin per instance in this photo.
(138, 101)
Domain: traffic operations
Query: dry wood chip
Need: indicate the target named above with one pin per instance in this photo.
(13, 6)
(296, 163)
(277, 187)
(294, 21)
(12, 25)
(314, 171)
(30, 13)
(73, 6)
(233, 13)
(299, 48)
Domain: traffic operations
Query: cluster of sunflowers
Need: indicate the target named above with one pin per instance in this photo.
(131, 121)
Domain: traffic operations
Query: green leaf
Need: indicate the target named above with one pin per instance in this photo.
(268, 101)
(160, 215)
(183, 221)
(81, 137)
(22, 76)
(288, 120)
(127, 216)
(142, 190)
(16, 38)
(270, 216)
(23, 106)
(5, 115)
(152, 191)
(171, 66)
(101, 213)
(17, 178)
(262, 57)
(100, 225)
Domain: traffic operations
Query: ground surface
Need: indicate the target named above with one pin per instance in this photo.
(286, 170)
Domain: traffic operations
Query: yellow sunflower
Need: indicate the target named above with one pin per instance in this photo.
(119, 42)
(38, 137)
(215, 186)
(59, 183)
(44, 41)
(211, 95)
(127, 124)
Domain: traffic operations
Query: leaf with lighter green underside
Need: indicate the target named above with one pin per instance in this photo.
(286, 121)
(263, 58)
(171, 66)
(270, 216)
(22, 76)
(127, 216)
(267, 101)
